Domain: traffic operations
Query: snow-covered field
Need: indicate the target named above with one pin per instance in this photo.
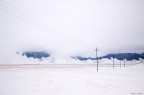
(71, 80)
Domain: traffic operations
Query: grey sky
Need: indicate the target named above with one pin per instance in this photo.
(71, 27)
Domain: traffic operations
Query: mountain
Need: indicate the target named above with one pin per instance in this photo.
(120, 56)
(36, 54)
(127, 56)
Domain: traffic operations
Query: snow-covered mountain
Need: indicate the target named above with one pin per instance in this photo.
(36, 54)
(44, 57)
(119, 56)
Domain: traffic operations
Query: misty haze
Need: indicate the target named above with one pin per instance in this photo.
(71, 47)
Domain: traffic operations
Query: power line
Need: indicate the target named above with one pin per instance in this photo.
(11, 10)
(22, 15)
(23, 20)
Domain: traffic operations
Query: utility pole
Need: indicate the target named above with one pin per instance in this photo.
(124, 62)
(120, 62)
(113, 62)
(97, 58)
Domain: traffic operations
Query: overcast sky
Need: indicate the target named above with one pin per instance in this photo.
(72, 27)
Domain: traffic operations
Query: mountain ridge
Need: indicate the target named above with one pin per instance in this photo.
(119, 56)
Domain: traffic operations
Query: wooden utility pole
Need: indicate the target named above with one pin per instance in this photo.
(97, 58)
(124, 62)
(113, 62)
(120, 62)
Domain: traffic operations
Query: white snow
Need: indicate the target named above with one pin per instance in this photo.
(71, 80)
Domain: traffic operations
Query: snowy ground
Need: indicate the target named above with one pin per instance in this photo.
(71, 80)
